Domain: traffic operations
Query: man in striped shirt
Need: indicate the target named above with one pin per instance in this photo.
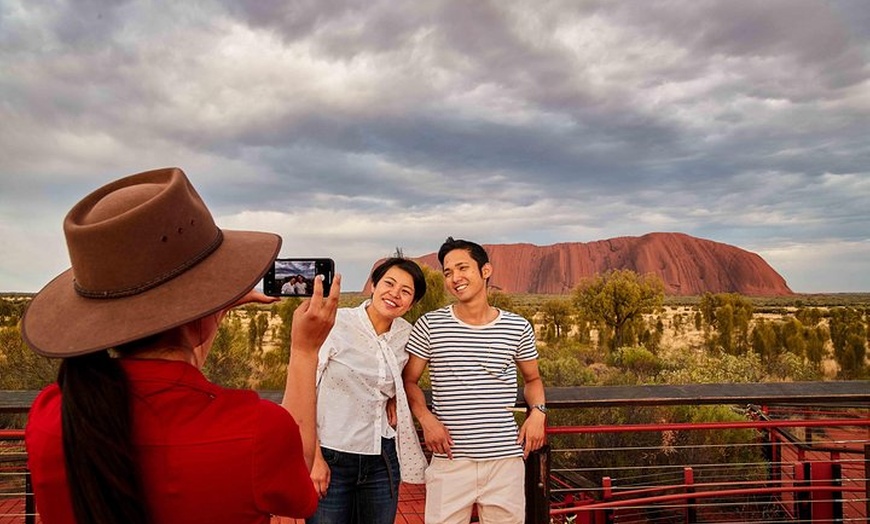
(473, 351)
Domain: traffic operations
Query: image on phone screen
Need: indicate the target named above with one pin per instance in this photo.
(294, 277)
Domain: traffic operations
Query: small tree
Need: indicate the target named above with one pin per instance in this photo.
(229, 362)
(557, 317)
(764, 342)
(617, 298)
(272, 365)
(20, 367)
(500, 299)
(816, 337)
(726, 317)
(849, 338)
(435, 297)
(809, 316)
(793, 337)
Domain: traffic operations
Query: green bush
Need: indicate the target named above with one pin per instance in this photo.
(638, 360)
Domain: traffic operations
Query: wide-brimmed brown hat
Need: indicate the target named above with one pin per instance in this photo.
(146, 257)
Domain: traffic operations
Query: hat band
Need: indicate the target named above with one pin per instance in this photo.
(135, 290)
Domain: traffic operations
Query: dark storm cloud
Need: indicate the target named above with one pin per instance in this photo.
(480, 41)
(740, 121)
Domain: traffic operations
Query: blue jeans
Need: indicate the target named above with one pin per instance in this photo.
(363, 489)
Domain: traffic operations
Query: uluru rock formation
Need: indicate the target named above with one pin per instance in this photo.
(687, 265)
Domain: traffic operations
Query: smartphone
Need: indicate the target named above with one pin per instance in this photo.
(294, 277)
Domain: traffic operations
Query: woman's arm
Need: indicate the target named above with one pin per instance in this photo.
(312, 321)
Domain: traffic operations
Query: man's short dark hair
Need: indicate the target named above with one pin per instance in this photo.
(474, 249)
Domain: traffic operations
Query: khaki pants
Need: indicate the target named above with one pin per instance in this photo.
(496, 486)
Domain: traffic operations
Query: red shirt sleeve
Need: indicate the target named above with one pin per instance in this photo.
(281, 480)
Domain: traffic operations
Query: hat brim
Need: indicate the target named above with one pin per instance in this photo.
(60, 323)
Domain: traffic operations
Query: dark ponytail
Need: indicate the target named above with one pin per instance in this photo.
(102, 469)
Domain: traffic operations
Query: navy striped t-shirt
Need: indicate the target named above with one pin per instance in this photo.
(474, 378)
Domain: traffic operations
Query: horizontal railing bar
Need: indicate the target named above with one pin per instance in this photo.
(700, 487)
(814, 447)
(702, 494)
(802, 393)
(686, 426)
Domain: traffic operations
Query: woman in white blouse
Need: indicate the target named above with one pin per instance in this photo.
(364, 425)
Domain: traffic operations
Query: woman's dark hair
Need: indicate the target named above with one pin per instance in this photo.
(408, 266)
(101, 464)
(475, 250)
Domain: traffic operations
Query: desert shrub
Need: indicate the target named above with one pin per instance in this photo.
(789, 366)
(809, 316)
(271, 366)
(22, 369)
(849, 338)
(435, 297)
(11, 311)
(585, 353)
(764, 341)
(565, 372)
(694, 368)
(816, 337)
(643, 363)
(726, 319)
(230, 362)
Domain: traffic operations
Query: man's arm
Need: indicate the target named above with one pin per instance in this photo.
(533, 433)
(435, 435)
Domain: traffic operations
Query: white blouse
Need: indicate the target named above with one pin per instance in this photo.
(355, 380)
(357, 372)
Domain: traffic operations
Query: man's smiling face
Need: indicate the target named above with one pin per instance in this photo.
(462, 276)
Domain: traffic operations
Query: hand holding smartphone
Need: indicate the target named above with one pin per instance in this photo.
(294, 277)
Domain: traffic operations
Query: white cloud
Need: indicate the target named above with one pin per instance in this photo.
(825, 266)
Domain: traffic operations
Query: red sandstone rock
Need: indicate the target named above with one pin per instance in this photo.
(687, 265)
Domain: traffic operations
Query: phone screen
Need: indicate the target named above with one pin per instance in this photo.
(294, 277)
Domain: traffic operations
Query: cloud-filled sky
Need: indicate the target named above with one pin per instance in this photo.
(352, 128)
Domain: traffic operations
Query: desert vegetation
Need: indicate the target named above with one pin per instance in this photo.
(617, 328)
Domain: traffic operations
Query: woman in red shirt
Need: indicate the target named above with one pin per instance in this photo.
(132, 431)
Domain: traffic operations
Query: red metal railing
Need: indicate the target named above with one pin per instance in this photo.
(793, 478)
(799, 461)
(16, 496)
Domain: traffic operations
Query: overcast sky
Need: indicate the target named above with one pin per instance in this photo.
(353, 128)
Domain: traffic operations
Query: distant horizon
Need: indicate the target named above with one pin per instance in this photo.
(486, 244)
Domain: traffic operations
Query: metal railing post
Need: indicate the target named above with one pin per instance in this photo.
(538, 486)
(29, 500)
(867, 480)
(691, 515)
(802, 477)
(607, 494)
(824, 503)
(837, 495)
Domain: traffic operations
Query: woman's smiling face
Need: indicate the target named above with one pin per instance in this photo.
(393, 295)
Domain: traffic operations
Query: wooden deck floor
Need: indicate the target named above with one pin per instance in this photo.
(412, 502)
(412, 499)
(12, 510)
